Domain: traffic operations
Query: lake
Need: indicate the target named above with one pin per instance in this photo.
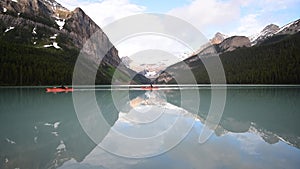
(117, 128)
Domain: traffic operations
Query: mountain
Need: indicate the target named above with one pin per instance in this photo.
(272, 33)
(290, 28)
(268, 31)
(218, 38)
(35, 28)
(273, 63)
(227, 45)
(233, 43)
(126, 61)
(152, 75)
(271, 57)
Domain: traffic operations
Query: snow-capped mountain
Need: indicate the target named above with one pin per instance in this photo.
(272, 30)
(40, 24)
(150, 74)
(47, 24)
(268, 31)
(290, 28)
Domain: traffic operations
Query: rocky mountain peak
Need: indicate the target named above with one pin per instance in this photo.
(267, 32)
(218, 38)
(78, 10)
(271, 28)
(42, 8)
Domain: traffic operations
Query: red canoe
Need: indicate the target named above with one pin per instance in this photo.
(59, 89)
(149, 88)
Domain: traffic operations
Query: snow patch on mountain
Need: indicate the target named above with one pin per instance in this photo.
(9, 29)
(34, 31)
(54, 44)
(61, 23)
(4, 10)
(290, 28)
(16, 1)
(150, 74)
(284, 27)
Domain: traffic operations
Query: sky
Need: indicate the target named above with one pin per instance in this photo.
(230, 17)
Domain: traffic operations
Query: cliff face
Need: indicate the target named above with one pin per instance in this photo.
(45, 24)
(233, 43)
(42, 19)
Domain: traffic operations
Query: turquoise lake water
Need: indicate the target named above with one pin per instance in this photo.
(125, 129)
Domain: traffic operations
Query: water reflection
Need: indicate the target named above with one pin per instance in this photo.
(40, 130)
(259, 129)
(151, 126)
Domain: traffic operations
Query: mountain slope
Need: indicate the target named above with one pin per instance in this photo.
(290, 28)
(267, 32)
(273, 32)
(45, 28)
(273, 63)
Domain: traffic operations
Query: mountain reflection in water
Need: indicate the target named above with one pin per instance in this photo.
(259, 129)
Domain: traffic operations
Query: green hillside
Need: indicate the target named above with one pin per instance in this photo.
(23, 65)
(277, 61)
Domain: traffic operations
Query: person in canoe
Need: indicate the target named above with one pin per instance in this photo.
(62, 87)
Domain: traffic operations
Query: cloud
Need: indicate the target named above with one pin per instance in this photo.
(260, 14)
(248, 25)
(104, 12)
(233, 17)
(275, 5)
(205, 14)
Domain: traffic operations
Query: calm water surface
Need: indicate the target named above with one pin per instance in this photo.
(260, 128)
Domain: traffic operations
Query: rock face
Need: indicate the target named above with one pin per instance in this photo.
(233, 43)
(45, 22)
(126, 61)
(218, 38)
(226, 45)
(35, 7)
